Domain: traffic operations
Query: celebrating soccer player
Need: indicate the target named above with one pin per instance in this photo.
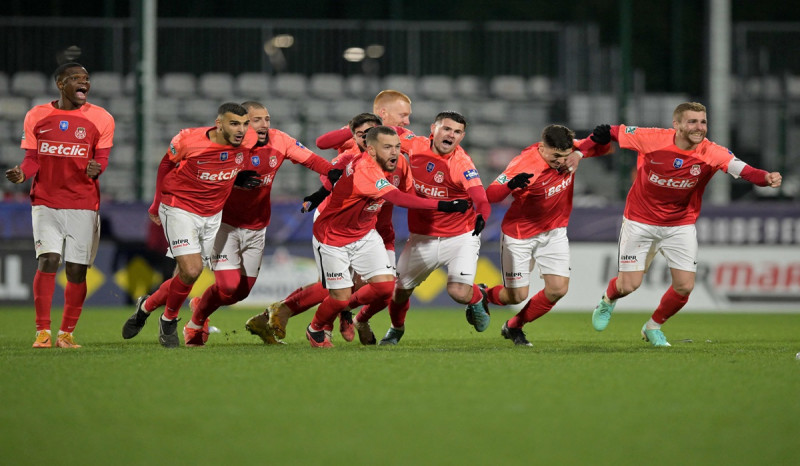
(673, 168)
(66, 143)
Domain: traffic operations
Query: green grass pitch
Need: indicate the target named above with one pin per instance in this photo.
(727, 392)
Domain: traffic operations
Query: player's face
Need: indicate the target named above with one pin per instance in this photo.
(232, 128)
(397, 113)
(555, 158)
(447, 135)
(385, 151)
(74, 86)
(360, 135)
(259, 121)
(691, 129)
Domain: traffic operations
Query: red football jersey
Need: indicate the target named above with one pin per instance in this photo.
(65, 141)
(669, 184)
(251, 208)
(204, 171)
(354, 203)
(443, 178)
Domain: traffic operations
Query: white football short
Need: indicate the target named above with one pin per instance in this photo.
(367, 257)
(548, 250)
(423, 254)
(189, 233)
(72, 233)
(639, 243)
(238, 248)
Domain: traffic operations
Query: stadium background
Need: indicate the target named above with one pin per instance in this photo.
(511, 68)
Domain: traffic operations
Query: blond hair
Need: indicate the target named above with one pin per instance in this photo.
(687, 107)
(387, 96)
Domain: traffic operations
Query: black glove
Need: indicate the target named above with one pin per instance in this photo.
(334, 174)
(601, 134)
(479, 224)
(311, 201)
(247, 179)
(519, 181)
(457, 205)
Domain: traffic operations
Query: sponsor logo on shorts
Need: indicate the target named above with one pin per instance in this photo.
(64, 149)
(471, 173)
(430, 191)
(382, 183)
(219, 258)
(674, 183)
(695, 170)
(223, 156)
(558, 188)
(627, 259)
(179, 243)
(511, 276)
(80, 133)
(630, 129)
(330, 276)
(38, 243)
(63, 125)
(438, 177)
(677, 163)
(222, 175)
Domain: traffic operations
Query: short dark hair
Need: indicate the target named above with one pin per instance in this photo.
(375, 131)
(558, 137)
(231, 107)
(362, 118)
(453, 115)
(252, 104)
(64, 67)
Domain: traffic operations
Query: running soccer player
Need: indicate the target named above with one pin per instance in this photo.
(673, 168)
(345, 239)
(441, 170)
(193, 182)
(239, 245)
(535, 225)
(67, 143)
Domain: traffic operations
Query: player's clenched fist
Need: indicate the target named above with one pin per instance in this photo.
(15, 175)
(774, 179)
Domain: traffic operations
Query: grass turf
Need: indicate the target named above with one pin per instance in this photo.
(445, 395)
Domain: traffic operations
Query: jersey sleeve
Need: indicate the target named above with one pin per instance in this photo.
(29, 136)
(514, 168)
(644, 139)
(106, 127)
(720, 157)
(175, 151)
(463, 171)
(369, 181)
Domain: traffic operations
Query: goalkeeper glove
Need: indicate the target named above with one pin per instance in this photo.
(457, 205)
(247, 179)
(601, 134)
(519, 181)
(311, 201)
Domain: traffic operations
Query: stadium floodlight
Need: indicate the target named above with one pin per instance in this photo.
(354, 54)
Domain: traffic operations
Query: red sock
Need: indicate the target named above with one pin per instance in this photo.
(221, 293)
(476, 294)
(326, 314)
(670, 304)
(366, 312)
(611, 292)
(303, 299)
(159, 297)
(536, 307)
(371, 292)
(74, 296)
(178, 291)
(494, 295)
(44, 284)
(397, 312)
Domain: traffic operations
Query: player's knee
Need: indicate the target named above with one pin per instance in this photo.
(517, 295)
(683, 289)
(555, 293)
(76, 273)
(49, 262)
(626, 287)
(383, 289)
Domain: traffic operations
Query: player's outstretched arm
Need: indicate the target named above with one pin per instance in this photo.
(759, 177)
(334, 139)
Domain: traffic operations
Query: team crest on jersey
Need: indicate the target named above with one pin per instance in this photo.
(677, 163)
(273, 161)
(239, 158)
(438, 177)
(471, 173)
(396, 180)
(223, 156)
(429, 168)
(300, 144)
(502, 179)
(382, 183)
(80, 133)
(695, 170)
(630, 129)
(63, 125)
(255, 160)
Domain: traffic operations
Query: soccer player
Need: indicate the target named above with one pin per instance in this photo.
(239, 245)
(535, 226)
(67, 143)
(194, 179)
(345, 239)
(392, 107)
(441, 170)
(673, 168)
(271, 324)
